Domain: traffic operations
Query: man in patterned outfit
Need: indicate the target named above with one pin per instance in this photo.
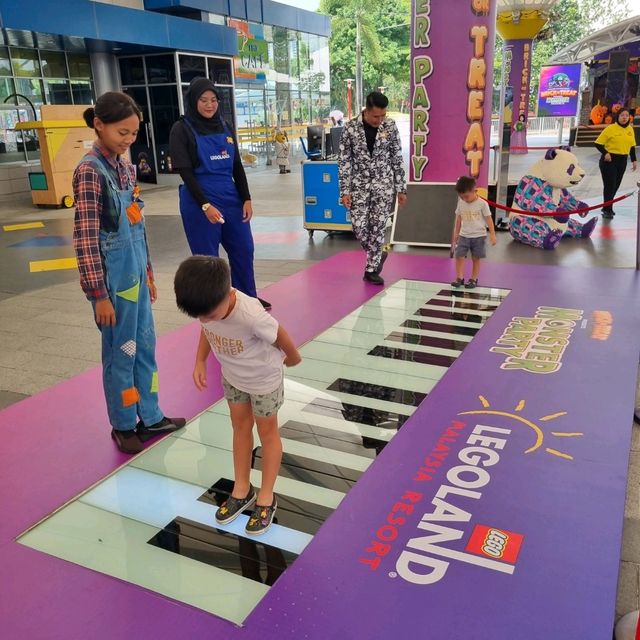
(371, 175)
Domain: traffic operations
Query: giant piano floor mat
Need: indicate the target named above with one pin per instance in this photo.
(454, 466)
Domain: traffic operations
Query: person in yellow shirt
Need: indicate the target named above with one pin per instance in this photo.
(615, 143)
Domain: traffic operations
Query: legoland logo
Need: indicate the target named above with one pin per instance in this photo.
(448, 518)
(495, 543)
(223, 155)
(427, 558)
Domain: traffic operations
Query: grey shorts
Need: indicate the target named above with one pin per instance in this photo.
(263, 405)
(477, 247)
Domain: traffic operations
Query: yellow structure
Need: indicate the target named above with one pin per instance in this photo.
(64, 138)
(521, 25)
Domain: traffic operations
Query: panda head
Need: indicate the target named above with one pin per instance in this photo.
(559, 167)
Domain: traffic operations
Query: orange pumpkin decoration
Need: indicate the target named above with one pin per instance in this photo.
(598, 113)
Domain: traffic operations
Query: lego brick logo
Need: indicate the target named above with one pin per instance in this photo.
(494, 543)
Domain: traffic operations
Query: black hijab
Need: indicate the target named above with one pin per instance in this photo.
(204, 126)
(629, 121)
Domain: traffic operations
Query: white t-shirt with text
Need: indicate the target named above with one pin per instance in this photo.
(243, 345)
(473, 216)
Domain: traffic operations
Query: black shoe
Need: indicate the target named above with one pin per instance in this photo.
(127, 441)
(372, 277)
(166, 425)
(385, 255)
(287, 170)
(472, 283)
(261, 518)
(608, 214)
(458, 282)
(266, 305)
(232, 507)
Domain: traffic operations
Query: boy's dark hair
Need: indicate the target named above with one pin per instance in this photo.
(201, 284)
(112, 106)
(377, 99)
(465, 184)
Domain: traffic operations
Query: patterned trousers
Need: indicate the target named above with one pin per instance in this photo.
(369, 221)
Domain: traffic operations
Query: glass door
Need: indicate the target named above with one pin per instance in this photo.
(165, 112)
(143, 149)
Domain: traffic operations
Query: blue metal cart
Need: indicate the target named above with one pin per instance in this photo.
(321, 198)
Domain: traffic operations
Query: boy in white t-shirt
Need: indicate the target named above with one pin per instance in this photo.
(473, 216)
(251, 348)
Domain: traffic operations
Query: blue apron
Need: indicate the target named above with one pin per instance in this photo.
(214, 173)
(129, 370)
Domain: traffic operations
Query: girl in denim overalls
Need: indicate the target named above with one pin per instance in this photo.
(115, 273)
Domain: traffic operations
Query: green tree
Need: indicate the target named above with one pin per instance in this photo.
(598, 14)
(569, 21)
(384, 29)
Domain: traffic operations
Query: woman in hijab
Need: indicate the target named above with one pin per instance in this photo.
(615, 143)
(215, 203)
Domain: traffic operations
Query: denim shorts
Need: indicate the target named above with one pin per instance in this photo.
(263, 405)
(477, 247)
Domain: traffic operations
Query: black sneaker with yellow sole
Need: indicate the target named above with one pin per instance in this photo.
(232, 507)
(261, 518)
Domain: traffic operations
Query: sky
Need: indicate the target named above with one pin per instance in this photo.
(310, 5)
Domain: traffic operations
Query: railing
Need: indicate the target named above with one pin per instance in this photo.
(263, 135)
(538, 125)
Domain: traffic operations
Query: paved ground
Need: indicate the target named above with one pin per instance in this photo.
(47, 333)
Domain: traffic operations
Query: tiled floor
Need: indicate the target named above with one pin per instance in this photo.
(48, 336)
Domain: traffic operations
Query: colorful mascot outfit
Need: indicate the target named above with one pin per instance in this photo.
(282, 151)
(544, 191)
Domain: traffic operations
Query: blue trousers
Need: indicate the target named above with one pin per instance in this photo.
(234, 235)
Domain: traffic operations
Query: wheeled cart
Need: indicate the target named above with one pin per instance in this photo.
(321, 198)
(64, 138)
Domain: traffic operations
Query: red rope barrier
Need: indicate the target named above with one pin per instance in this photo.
(559, 214)
(536, 148)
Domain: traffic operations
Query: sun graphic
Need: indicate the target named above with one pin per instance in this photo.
(529, 423)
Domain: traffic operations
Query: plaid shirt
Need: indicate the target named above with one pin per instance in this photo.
(96, 210)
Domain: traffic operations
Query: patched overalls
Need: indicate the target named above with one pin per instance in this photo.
(216, 154)
(129, 371)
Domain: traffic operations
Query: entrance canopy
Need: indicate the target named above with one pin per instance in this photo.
(614, 36)
(104, 25)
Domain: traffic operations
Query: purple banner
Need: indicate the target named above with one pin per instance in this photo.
(517, 56)
(559, 90)
(451, 89)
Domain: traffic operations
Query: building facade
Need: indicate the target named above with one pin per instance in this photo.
(269, 61)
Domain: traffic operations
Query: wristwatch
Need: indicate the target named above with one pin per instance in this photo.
(205, 206)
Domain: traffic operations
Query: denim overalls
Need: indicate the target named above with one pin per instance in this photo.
(216, 154)
(129, 370)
